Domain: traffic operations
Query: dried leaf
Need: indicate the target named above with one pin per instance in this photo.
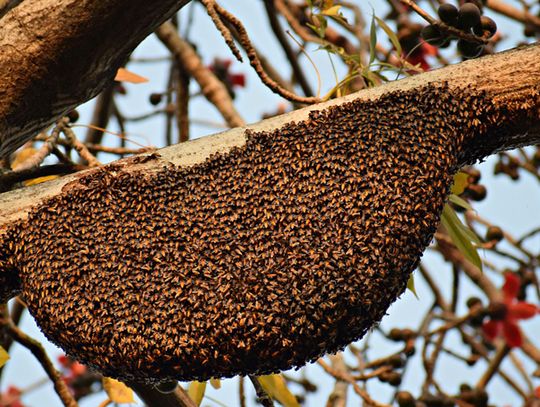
(216, 383)
(331, 11)
(4, 356)
(196, 391)
(123, 75)
(276, 387)
(117, 391)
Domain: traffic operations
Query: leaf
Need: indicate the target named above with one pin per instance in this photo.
(461, 236)
(39, 180)
(331, 11)
(391, 35)
(461, 180)
(410, 286)
(372, 40)
(117, 391)
(456, 200)
(216, 383)
(4, 356)
(196, 391)
(276, 387)
(123, 75)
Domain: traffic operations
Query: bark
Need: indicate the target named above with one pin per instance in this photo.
(57, 54)
(511, 79)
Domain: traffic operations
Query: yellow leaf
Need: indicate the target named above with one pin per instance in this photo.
(117, 391)
(410, 285)
(4, 356)
(39, 180)
(196, 391)
(276, 387)
(123, 75)
(332, 11)
(216, 383)
(461, 180)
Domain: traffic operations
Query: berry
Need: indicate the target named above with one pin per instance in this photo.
(448, 14)
(405, 399)
(494, 233)
(468, 16)
(477, 3)
(476, 192)
(473, 301)
(469, 49)
(155, 98)
(73, 116)
(486, 24)
(433, 35)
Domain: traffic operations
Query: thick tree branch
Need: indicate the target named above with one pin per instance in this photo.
(57, 54)
(511, 79)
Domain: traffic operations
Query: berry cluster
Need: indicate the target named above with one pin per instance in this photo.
(468, 19)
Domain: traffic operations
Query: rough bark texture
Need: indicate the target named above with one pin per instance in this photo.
(511, 79)
(290, 242)
(57, 54)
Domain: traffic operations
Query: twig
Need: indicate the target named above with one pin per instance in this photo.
(347, 378)
(211, 9)
(77, 145)
(262, 397)
(338, 397)
(154, 398)
(493, 366)
(213, 89)
(244, 40)
(39, 352)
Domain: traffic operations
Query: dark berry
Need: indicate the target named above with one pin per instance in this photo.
(469, 49)
(433, 35)
(155, 98)
(494, 233)
(448, 13)
(473, 301)
(73, 116)
(468, 16)
(477, 3)
(405, 399)
(486, 25)
(476, 192)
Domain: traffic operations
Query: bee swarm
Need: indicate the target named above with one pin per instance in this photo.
(257, 260)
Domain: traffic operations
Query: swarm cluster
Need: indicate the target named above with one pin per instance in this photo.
(254, 261)
(468, 19)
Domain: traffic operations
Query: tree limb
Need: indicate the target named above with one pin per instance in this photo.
(55, 55)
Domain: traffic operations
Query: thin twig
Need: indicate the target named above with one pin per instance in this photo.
(262, 396)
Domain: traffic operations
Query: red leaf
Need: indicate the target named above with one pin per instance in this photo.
(512, 334)
(522, 310)
(237, 79)
(511, 286)
(491, 329)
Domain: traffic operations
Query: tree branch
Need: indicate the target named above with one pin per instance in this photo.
(55, 55)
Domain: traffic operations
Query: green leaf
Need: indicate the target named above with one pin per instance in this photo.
(391, 35)
(4, 356)
(456, 200)
(461, 180)
(372, 40)
(276, 388)
(196, 391)
(410, 286)
(461, 236)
